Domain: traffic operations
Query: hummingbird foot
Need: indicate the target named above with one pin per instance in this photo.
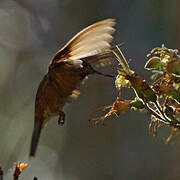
(61, 119)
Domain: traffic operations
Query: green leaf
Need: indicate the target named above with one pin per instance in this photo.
(153, 63)
(175, 94)
(137, 104)
(150, 95)
(176, 85)
(174, 67)
(138, 91)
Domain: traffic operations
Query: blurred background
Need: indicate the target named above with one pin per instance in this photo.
(31, 31)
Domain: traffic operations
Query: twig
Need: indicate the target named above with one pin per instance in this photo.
(17, 172)
(155, 114)
(161, 112)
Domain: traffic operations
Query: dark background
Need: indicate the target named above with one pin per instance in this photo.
(31, 31)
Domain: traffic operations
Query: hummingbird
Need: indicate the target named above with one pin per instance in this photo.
(68, 68)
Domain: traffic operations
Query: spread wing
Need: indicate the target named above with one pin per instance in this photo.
(91, 41)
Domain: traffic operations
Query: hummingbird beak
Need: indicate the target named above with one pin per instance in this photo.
(102, 74)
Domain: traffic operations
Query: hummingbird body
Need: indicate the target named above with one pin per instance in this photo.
(66, 71)
(55, 88)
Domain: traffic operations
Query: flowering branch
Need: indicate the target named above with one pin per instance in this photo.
(160, 97)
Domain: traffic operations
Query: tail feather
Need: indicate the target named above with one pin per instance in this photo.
(35, 139)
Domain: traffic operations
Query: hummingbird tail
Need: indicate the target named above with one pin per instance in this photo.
(35, 139)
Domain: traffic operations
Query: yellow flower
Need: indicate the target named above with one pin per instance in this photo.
(121, 81)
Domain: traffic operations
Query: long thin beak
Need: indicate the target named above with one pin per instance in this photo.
(102, 74)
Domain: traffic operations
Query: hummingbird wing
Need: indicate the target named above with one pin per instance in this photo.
(100, 60)
(91, 41)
